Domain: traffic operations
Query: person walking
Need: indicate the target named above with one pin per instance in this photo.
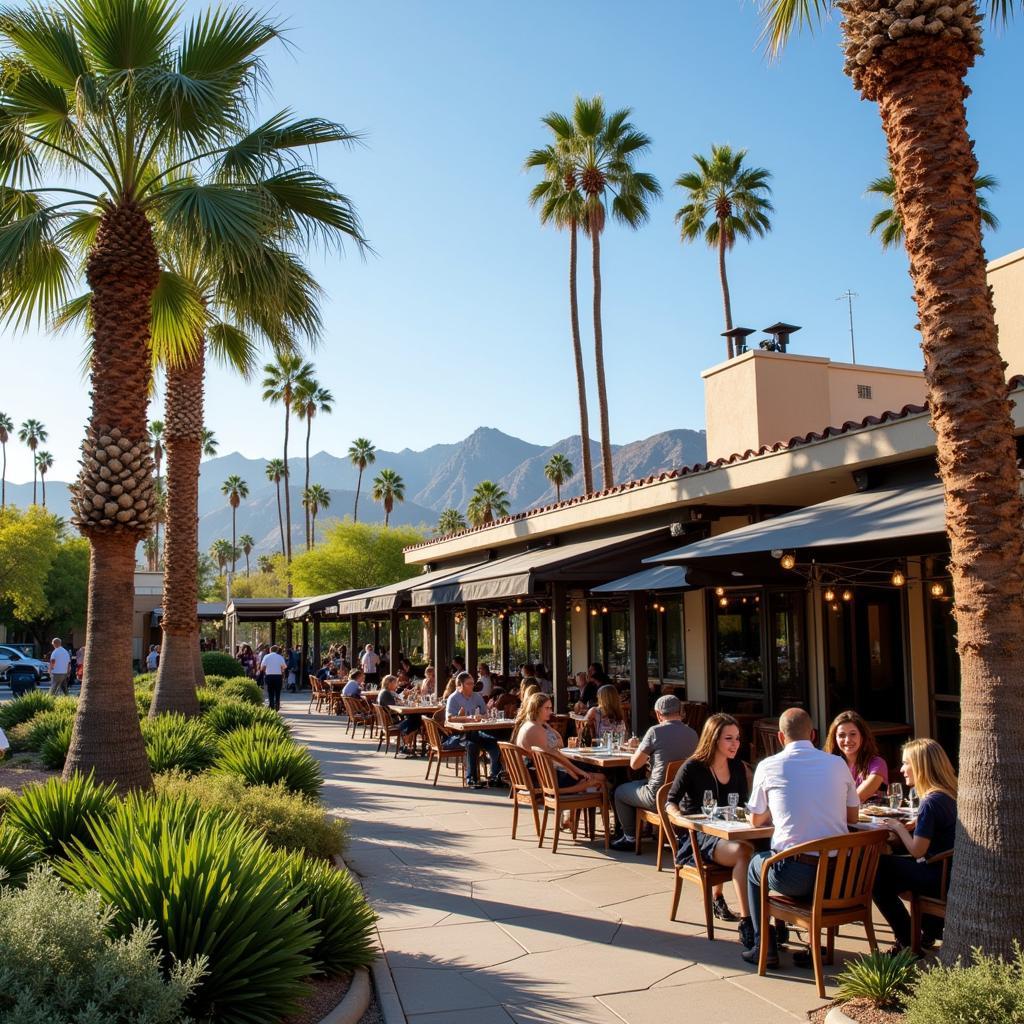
(60, 661)
(274, 667)
(368, 662)
(294, 668)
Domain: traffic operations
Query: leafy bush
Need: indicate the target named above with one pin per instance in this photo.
(54, 751)
(174, 741)
(286, 820)
(231, 714)
(58, 964)
(220, 664)
(344, 920)
(143, 700)
(207, 698)
(987, 991)
(242, 689)
(23, 708)
(213, 888)
(35, 732)
(260, 758)
(214, 681)
(52, 813)
(16, 857)
(146, 680)
(883, 979)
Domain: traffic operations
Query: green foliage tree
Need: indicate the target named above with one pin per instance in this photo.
(488, 502)
(28, 546)
(222, 550)
(388, 487)
(33, 434)
(235, 489)
(6, 429)
(311, 399)
(451, 520)
(558, 470)
(361, 453)
(314, 498)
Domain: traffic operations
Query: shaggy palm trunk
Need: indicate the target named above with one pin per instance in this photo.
(918, 82)
(577, 354)
(280, 517)
(602, 394)
(234, 548)
(33, 476)
(176, 679)
(287, 490)
(726, 301)
(359, 485)
(3, 479)
(42, 480)
(305, 490)
(156, 521)
(112, 499)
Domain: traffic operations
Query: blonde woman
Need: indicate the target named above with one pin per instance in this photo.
(927, 768)
(532, 732)
(607, 716)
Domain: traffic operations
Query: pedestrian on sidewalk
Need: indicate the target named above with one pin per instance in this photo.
(273, 667)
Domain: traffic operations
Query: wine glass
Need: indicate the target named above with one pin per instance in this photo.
(912, 798)
(895, 795)
(708, 803)
(733, 800)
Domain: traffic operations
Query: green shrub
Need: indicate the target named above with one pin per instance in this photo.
(246, 690)
(883, 979)
(231, 714)
(261, 758)
(7, 797)
(207, 698)
(286, 820)
(214, 681)
(18, 737)
(220, 664)
(58, 964)
(17, 856)
(21, 709)
(35, 732)
(343, 919)
(145, 680)
(52, 813)
(989, 990)
(174, 741)
(143, 700)
(213, 888)
(54, 751)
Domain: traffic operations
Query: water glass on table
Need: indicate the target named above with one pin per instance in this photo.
(895, 795)
(708, 803)
(733, 802)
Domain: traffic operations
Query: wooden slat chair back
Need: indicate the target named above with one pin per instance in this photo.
(435, 745)
(646, 817)
(934, 905)
(561, 723)
(386, 728)
(359, 713)
(554, 800)
(842, 893)
(522, 788)
(704, 876)
(766, 738)
(316, 694)
(695, 713)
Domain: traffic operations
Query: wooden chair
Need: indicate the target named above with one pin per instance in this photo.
(316, 693)
(653, 818)
(842, 894)
(522, 788)
(554, 800)
(934, 905)
(766, 738)
(695, 713)
(435, 741)
(706, 876)
(386, 728)
(359, 713)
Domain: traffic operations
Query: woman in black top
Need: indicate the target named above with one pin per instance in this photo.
(716, 766)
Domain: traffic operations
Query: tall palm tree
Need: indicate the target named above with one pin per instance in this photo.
(283, 377)
(311, 399)
(888, 223)
(149, 550)
(222, 550)
(276, 472)
(561, 203)
(725, 201)
(235, 489)
(911, 58)
(314, 498)
(209, 444)
(388, 487)
(603, 148)
(6, 429)
(361, 453)
(32, 433)
(139, 104)
(246, 543)
(558, 470)
(487, 503)
(44, 463)
(156, 436)
(265, 563)
(451, 520)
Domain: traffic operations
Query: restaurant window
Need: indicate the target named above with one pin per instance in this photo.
(944, 661)
(786, 649)
(609, 638)
(665, 659)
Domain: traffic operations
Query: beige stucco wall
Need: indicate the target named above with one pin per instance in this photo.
(1006, 276)
(890, 389)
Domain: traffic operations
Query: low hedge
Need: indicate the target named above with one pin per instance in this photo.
(242, 689)
(259, 757)
(176, 742)
(220, 664)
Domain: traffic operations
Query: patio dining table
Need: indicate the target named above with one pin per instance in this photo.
(415, 709)
(720, 827)
(481, 725)
(598, 757)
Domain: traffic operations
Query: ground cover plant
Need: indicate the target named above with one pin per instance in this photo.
(260, 757)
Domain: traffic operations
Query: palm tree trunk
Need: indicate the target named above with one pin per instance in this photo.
(922, 106)
(42, 479)
(726, 301)
(558, 493)
(3, 480)
(123, 270)
(309, 428)
(287, 489)
(312, 530)
(33, 477)
(577, 353)
(602, 393)
(156, 525)
(234, 561)
(359, 484)
(247, 565)
(280, 517)
(176, 678)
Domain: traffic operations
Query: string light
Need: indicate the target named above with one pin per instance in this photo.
(937, 590)
(577, 609)
(897, 579)
(724, 602)
(719, 591)
(593, 612)
(604, 609)
(543, 610)
(829, 595)
(847, 595)
(788, 562)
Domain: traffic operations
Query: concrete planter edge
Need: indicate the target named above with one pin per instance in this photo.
(355, 1003)
(836, 1016)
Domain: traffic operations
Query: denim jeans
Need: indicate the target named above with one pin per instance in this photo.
(904, 874)
(789, 877)
(628, 797)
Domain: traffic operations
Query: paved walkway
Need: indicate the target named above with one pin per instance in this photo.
(479, 928)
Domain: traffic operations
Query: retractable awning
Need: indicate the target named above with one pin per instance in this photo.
(321, 604)
(658, 577)
(391, 596)
(259, 609)
(889, 518)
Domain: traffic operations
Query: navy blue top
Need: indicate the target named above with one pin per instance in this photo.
(936, 821)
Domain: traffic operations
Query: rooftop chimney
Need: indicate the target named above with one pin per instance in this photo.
(737, 339)
(780, 333)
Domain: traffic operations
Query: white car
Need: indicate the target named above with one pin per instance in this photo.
(10, 656)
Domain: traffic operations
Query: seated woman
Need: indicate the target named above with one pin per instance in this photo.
(850, 738)
(532, 731)
(388, 691)
(925, 767)
(607, 715)
(715, 765)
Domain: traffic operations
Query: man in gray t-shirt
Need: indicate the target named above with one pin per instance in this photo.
(670, 740)
(464, 705)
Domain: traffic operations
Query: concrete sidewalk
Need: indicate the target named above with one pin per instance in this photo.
(479, 928)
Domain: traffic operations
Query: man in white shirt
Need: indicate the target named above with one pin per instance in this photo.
(484, 679)
(273, 667)
(807, 795)
(153, 658)
(59, 662)
(368, 661)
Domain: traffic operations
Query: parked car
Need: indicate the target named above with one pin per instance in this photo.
(12, 658)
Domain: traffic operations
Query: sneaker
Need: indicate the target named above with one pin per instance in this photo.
(721, 909)
(746, 932)
(753, 956)
(624, 843)
(476, 784)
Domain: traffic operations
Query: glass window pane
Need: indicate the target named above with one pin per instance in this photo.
(739, 673)
(672, 631)
(786, 649)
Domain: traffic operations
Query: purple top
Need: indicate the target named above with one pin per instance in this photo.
(876, 766)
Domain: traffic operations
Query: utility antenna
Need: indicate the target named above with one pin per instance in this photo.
(849, 297)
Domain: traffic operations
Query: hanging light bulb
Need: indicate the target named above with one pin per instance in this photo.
(719, 591)
(543, 610)
(501, 615)
(937, 590)
(577, 608)
(604, 609)
(724, 602)
(519, 600)
(834, 606)
(593, 612)
(897, 579)
(829, 595)
(847, 595)
(788, 562)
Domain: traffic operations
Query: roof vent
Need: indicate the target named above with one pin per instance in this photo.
(779, 341)
(737, 338)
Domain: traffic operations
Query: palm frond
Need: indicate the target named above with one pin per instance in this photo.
(178, 321)
(232, 347)
(269, 145)
(123, 35)
(784, 17)
(45, 40)
(75, 314)
(211, 216)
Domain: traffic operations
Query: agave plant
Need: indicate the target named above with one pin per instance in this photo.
(260, 757)
(52, 814)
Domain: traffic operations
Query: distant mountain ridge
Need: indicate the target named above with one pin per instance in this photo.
(439, 477)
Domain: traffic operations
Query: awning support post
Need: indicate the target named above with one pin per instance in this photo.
(639, 690)
(471, 645)
(556, 634)
(316, 644)
(504, 649)
(394, 642)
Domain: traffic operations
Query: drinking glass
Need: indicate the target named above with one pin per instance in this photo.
(895, 795)
(708, 803)
(912, 798)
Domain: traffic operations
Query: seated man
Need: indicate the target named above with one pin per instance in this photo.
(354, 686)
(466, 706)
(807, 795)
(671, 739)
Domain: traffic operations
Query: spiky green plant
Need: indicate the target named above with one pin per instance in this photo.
(259, 757)
(228, 715)
(882, 979)
(54, 751)
(23, 708)
(52, 814)
(176, 742)
(17, 856)
(242, 689)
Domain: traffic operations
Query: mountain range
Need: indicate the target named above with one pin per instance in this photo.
(439, 477)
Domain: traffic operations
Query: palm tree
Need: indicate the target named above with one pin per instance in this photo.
(149, 550)
(6, 428)
(286, 375)
(44, 463)
(913, 64)
(361, 453)
(32, 433)
(265, 563)
(388, 487)
(451, 520)
(488, 502)
(888, 223)
(222, 550)
(209, 444)
(558, 470)
(277, 471)
(561, 203)
(725, 201)
(602, 148)
(311, 399)
(246, 543)
(314, 498)
(235, 489)
(156, 436)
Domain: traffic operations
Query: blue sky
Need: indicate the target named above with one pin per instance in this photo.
(461, 318)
